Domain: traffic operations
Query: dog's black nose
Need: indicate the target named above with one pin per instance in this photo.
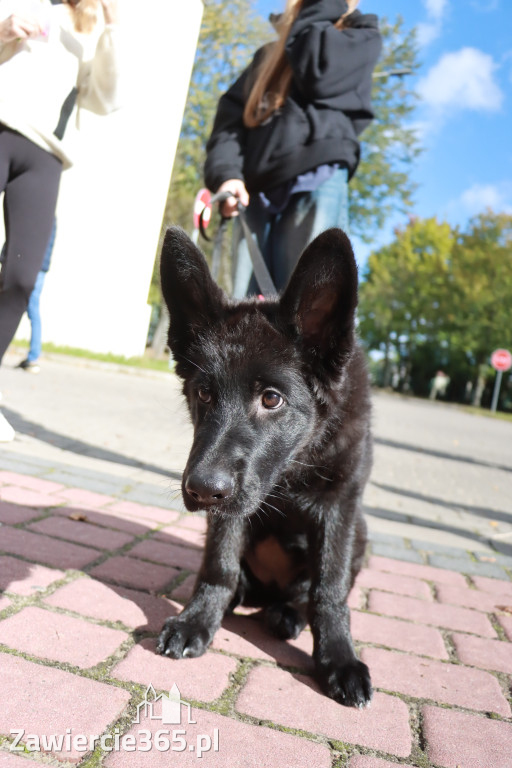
(210, 489)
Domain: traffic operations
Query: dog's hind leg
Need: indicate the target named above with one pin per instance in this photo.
(190, 633)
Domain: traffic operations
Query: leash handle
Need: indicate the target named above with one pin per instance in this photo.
(260, 269)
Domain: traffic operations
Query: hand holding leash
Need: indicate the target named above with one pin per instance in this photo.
(229, 207)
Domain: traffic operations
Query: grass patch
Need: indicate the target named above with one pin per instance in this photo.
(145, 361)
(502, 415)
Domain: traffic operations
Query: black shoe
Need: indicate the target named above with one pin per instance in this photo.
(29, 366)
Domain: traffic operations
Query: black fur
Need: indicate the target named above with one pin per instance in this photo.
(279, 399)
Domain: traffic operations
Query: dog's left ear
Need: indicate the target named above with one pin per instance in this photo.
(320, 300)
(193, 298)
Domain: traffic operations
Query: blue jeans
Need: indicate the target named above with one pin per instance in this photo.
(35, 318)
(283, 236)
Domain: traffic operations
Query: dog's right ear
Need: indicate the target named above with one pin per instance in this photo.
(194, 300)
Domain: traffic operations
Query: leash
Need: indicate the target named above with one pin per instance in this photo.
(260, 269)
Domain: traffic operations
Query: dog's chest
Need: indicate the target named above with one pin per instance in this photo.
(271, 563)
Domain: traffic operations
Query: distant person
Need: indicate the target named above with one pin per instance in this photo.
(439, 385)
(31, 363)
(54, 57)
(285, 137)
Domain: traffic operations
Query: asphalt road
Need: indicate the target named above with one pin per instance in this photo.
(440, 474)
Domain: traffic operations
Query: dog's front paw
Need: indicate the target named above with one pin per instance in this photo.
(349, 684)
(181, 637)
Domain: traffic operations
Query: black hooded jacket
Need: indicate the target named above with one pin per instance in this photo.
(328, 106)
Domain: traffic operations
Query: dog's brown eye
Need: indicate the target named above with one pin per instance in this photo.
(204, 395)
(271, 400)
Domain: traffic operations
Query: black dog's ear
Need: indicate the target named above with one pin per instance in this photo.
(320, 301)
(194, 300)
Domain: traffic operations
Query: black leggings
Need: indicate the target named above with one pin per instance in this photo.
(29, 177)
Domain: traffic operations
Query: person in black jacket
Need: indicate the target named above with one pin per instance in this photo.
(284, 140)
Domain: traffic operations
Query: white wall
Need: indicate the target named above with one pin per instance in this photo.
(112, 201)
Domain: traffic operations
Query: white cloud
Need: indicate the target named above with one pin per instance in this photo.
(462, 80)
(479, 197)
(485, 6)
(435, 8)
(427, 31)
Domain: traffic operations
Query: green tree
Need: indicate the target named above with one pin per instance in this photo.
(482, 292)
(403, 301)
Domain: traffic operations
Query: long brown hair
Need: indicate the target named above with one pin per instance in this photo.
(85, 14)
(274, 75)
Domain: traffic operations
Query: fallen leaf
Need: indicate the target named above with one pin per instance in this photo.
(78, 516)
(504, 608)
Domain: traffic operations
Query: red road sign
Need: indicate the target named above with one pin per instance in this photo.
(501, 359)
(202, 200)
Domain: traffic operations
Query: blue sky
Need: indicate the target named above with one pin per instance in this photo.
(464, 117)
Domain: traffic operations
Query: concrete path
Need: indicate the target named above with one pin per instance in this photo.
(95, 551)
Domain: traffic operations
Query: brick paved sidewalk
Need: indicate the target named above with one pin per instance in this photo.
(88, 580)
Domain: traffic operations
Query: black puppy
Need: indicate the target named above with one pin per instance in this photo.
(279, 398)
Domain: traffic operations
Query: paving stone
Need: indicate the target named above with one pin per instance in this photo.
(168, 554)
(388, 582)
(487, 654)
(24, 578)
(457, 739)
(11, 761)
(470, 598)
(137, 610)
(467, 566)
(46, 701)
(438, 614)
(79, 496)
(185, 590)
(386, 538)
(248, 637)
(35, 546)
(107, 519)
(296, 702)
(145, 512)
(441, 682)
(86, 480)
(185, 537)
(130, 572)
(404, 636)
(355, 598)
(440, 549)
(28, 498)
(32, 483)
(56, 636)
(492, 585)
(202, 679)
(400, 553)
(506, 623)
(4, 603)
(81, 532)
(241, 745)
(417, 571)
(153, 496)
(14, 513)
(495, 557)
(362, 761)
(194, 521)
